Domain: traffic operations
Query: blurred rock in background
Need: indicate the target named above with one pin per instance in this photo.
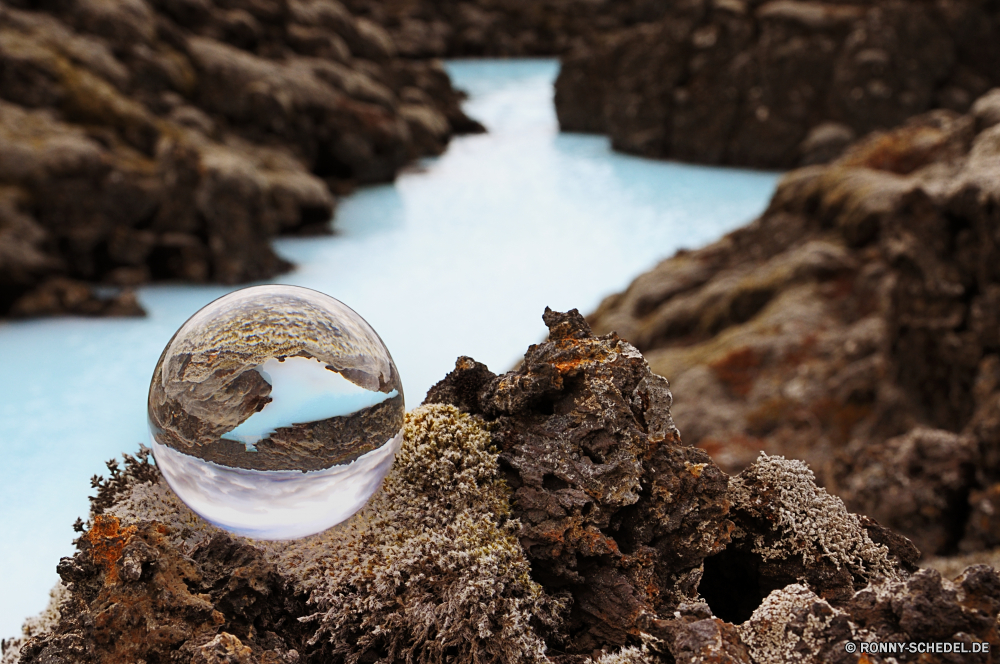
(854, 325)
(776, 84)
(171, 140)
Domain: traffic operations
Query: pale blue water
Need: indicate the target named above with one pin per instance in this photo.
(302, 390)
(459, 257)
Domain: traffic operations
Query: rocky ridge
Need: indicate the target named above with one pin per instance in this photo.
(172, 140)
(776, 84)
(549, 514)
(854, 326)
(500, 28)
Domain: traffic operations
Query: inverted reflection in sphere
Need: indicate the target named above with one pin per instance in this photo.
(275, 412)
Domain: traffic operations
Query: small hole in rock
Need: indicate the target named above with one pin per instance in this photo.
(545, 406)
(731, 585)
(552, 483)
(510, 473)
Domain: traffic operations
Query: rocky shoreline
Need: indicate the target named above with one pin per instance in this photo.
(777, 84)
(171, 141)
(854, 326)
(152, 140)
(549, 514)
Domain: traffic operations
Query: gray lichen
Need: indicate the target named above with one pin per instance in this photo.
(431, 570)
(770, 636)
(628, 655)
(811, 521)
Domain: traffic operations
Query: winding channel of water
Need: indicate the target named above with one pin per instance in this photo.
(459, 256)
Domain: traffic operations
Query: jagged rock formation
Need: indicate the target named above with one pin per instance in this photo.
(776, 84)
(853, 325)
(613, 508)
(559, 519)
(171, 140)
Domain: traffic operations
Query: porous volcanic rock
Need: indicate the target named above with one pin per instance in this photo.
(135, 597)
(558, 520)
(172, 140)
(613, 507)
(854, 326)
(776, 84)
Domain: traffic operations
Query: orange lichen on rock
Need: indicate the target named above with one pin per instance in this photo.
(108, 538)
(613, 509)
(145, 595)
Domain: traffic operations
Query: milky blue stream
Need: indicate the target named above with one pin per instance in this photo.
(459, 257)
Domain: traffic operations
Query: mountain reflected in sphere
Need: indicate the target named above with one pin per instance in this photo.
(275, 412)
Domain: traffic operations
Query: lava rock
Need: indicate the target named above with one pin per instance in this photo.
(498, 28)
(558, 520)
(853, 326)
(133, 595)
(144, 141)
(613, 507)
(775, 84)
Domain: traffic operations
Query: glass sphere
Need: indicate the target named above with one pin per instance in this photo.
(275, 412)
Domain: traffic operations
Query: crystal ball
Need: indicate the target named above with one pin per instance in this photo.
(275, 412)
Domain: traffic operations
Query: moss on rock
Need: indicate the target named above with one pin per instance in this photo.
(431, 569)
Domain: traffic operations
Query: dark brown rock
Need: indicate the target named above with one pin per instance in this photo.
(774, 84)
(927, 608)
(148, 141)
(499, 28)
(790, 531)
(696, 636)
(793, 624)
(982, 530)
(60, 296)
(134, 596)
(853, 326)
(613, 507)
(917, 483)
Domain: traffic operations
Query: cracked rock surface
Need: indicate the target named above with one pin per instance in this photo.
(613, 507)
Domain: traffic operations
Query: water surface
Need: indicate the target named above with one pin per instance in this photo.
(459, 257)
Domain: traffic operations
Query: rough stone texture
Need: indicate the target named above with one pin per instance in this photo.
(926, 607)
(431, 570)
(158, 140)
(777, 84)
(795, 626)
(560, 519)
(789, 531)
(916, 483)
(613, 508)
(694, 636)
(853, 326)
(134, 596)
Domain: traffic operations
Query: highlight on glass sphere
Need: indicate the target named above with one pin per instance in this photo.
(275, 412)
